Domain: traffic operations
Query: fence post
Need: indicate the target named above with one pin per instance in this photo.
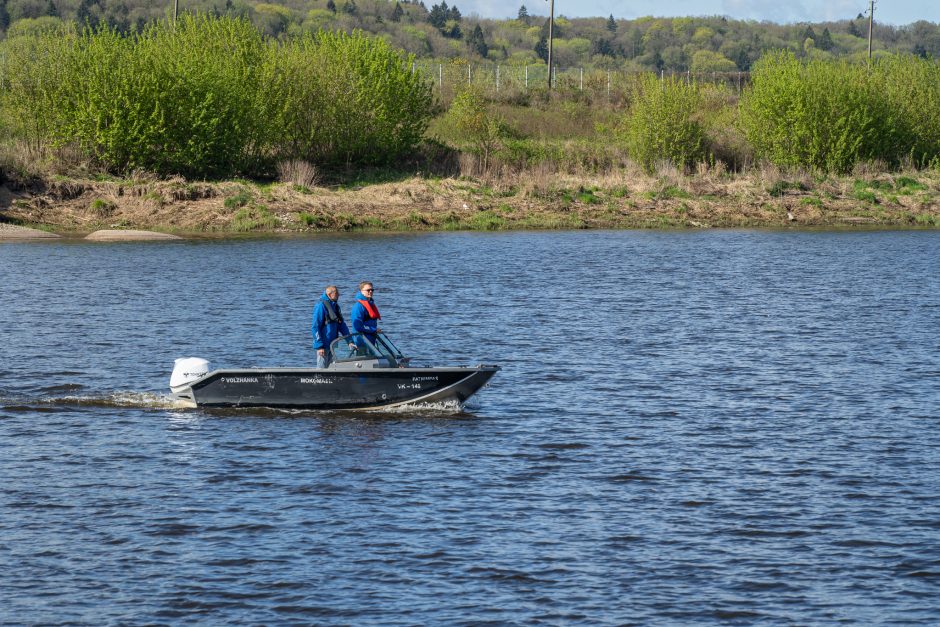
(468, 75)
(554, 76)
(581, 85)
(497, 79)
(608, 84)
(527, 76)
(440, 76)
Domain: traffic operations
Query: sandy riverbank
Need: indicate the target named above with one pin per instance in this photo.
(14, 232)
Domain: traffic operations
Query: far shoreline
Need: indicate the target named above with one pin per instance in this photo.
(765, 199)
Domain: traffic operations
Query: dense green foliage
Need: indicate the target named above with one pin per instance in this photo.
(212, 97)
(473, 123)
(440, 31)
(831, 115)
(662, 124)
(912, 87)
(169, 100)
(338, 98)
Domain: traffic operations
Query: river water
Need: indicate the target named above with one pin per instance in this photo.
(736, 427)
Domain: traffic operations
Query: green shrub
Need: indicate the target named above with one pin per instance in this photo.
(252, 218)
(486, 221)
(33, 68)
(102, 207)
(865, 196)
(912, 87)
(309, 219)
(662, 124)
(812, 201)
(235, 201)
(172, 99)
(830, 115)
(336, 98)
(906, 185)
(474, 124)
(211, 97)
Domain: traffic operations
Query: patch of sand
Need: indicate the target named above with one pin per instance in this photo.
(128, 235)
(13, 232)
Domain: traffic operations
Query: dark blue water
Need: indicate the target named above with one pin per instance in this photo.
(708, 427)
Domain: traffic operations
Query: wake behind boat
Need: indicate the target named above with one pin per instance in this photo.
(363, 375)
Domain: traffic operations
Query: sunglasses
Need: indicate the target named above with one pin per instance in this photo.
(368, 290)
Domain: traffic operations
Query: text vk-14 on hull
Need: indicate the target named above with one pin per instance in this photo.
(363, 375)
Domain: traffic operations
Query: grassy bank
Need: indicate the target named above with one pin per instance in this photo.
(156, 138)
(385, 201)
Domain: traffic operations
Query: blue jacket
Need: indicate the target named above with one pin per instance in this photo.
(360, 318)
(324, 331)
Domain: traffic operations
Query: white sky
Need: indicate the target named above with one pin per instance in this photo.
(898, 12)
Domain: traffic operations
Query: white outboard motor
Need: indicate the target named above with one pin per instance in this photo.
(186, 370)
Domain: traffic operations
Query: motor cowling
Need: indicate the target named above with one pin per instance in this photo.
(188, 369)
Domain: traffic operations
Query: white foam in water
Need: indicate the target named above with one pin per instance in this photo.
(449, 407)
(149, 400)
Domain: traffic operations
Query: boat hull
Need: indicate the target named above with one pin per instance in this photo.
(310, 388)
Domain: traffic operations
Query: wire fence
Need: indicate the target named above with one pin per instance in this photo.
(506, 81)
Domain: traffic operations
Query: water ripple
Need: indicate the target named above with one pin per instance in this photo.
(726, 427)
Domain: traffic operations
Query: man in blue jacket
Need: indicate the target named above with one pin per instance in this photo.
(328, 324)
(365, 313)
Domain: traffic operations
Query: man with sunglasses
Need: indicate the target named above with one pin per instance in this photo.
(365, 313)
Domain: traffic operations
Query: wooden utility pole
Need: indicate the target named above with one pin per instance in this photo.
(551, 28)
(176, 8)
(871, 24)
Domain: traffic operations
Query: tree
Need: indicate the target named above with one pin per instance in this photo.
(477, 42)
(51, 9)
(452, 30)
(523, 15)
(708, 61)
(853, 30)
(612, 24)
(604, 47)
(4, 15)
(350, 7)
(470, 117)
(446, 20)
(397, 13)
(437, 16)
(825, 40)
(331, 5)
(541, 48)
(84, 16)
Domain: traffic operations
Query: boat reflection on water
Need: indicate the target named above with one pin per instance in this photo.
(365, 374)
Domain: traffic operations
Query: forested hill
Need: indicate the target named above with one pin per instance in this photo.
(443, 33)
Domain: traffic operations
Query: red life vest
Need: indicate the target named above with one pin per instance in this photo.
(371, 309)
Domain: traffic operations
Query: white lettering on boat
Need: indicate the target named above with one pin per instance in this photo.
(316, 380)
(424, 378)
(239, 379)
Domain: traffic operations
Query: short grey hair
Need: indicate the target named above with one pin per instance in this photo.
(330, 288)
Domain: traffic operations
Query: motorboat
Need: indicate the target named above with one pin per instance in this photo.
(367, 372)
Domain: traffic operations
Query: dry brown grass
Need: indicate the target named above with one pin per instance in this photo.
(534, 197)
(298, 172)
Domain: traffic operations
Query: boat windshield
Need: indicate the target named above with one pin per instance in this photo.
(358, 346)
